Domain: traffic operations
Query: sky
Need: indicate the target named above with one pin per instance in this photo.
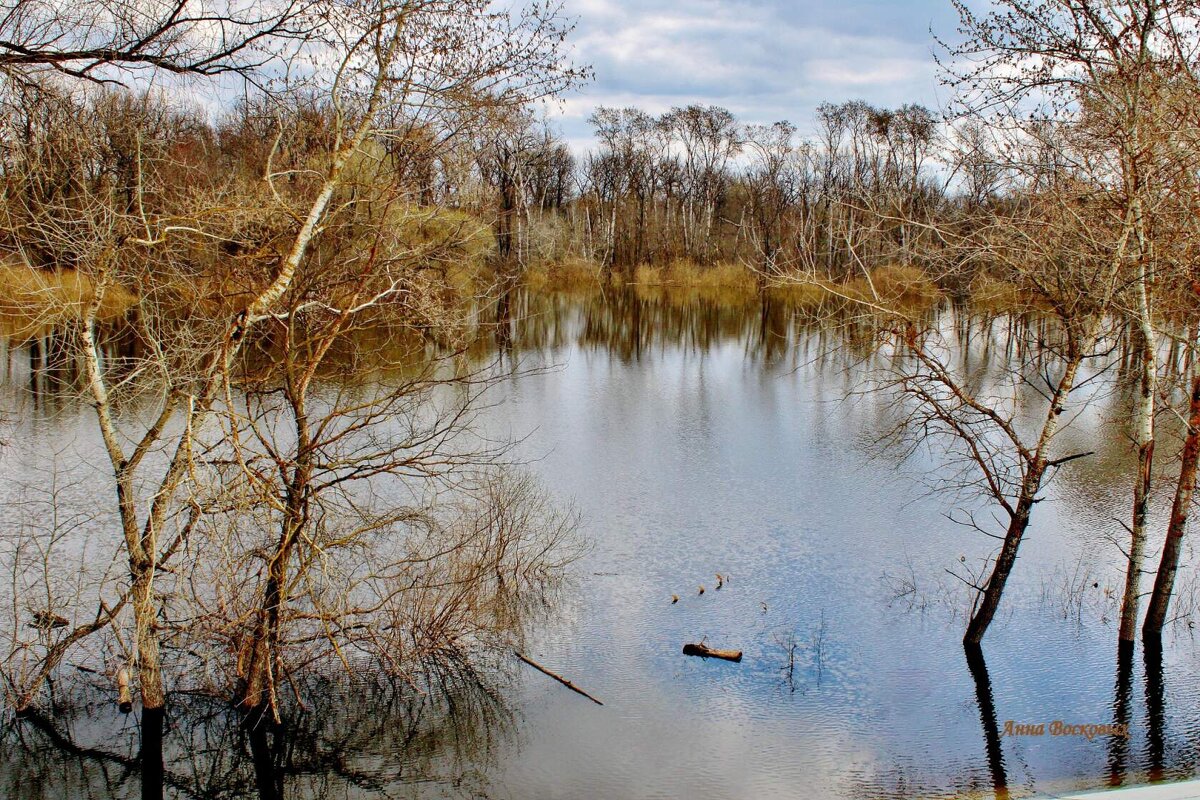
(765, 60)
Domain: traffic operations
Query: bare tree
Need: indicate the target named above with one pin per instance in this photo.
(1098, 66)
(436, 59)
(99, 40)
(772, 181)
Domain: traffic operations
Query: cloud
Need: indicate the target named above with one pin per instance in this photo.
(879, 72)
(765, 60)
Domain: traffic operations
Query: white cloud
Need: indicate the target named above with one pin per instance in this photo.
(765, 60)
(876, 72)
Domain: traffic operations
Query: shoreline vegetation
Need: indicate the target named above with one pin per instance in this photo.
(34, 302)
(905, 286)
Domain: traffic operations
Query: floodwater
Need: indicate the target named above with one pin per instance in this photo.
(698, 437)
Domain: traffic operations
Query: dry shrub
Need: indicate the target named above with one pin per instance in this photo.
(387, 592)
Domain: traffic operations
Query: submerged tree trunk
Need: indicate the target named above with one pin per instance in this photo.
(258, 692)
(1144, 431)
(145, 611)
(994, 589)
(1035, 471)
(1164, 581)
(262, 650)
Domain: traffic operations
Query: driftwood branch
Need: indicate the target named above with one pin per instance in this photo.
(558, 678)
(704, 651)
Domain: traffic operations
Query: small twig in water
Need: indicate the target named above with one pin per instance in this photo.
(558, 678)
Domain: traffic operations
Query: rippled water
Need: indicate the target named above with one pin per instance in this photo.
(699, 438)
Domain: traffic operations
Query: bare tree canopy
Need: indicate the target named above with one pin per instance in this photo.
(100, 39)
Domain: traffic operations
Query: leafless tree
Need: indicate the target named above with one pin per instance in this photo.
(248, 244)
(1099, 67)
(102, 40)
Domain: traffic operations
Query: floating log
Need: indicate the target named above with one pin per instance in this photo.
(556, 677)
(124, 696)
(704, 651)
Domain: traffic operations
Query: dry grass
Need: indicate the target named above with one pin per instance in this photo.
(991, 294)
(805, 295)
(32, 301)
(683, 281)
(568, 275)
(891, 287)
(682, 273)
(894, 285)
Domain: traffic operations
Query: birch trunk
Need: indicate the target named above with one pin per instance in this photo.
(1143, 421)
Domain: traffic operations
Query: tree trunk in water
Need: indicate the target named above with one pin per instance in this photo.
(1144, 425)
(994, 589)
(149, 665)
(259, 688)
(1030, 486)
(258, 692)
(1164, 581)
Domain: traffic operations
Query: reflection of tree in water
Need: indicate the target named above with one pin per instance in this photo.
(983, 776)
(1155, 707)
(632, 322)
(987, 718)
(1122, 707)
(1162, 757)
(369, 737)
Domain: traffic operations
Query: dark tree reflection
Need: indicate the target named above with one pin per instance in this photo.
(368, 737)
(1152, 656)
(987, 718)
(1118, 746)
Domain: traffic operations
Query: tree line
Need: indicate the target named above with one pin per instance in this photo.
(696, 184)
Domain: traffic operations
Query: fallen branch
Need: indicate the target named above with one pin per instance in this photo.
(1058, 462)
(558, 678)
(704, 651)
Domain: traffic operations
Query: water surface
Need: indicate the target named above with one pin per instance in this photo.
(698, 438)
